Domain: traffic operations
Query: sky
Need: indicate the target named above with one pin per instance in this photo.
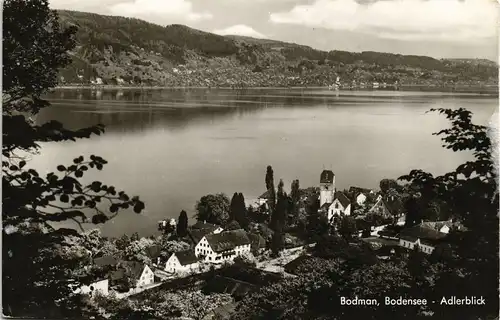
(437, 28)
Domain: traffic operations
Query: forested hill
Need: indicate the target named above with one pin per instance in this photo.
(132, 51)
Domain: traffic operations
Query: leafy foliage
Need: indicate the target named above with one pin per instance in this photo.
(35, 46)
(466, 265)
(213, 209)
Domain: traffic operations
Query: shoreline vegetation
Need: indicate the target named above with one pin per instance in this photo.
(486, 89)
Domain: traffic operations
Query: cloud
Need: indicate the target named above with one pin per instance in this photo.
(159, 10)
(450, 20)
(240, 30)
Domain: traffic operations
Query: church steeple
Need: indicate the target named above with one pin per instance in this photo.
(326, 187)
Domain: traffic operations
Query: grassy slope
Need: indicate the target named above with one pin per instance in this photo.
(116, 47)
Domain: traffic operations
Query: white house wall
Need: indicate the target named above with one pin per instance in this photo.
(360, 199)
(411, 245)
(101, 286)
(147, 277)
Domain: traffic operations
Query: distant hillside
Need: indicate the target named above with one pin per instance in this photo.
(132, 51)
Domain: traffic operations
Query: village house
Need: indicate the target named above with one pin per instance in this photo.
(154, 253)
(104, 265)
(443, 226)
(200, 229)
(224, 246)
(380, 208)
(203, 225)
(360, 195)
(101, 286)
(182, 262)
(332, 203)
(264, 198)
(140, 273)
(257, 243)
(426, 239)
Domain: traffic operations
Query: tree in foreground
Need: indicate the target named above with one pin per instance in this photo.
(36, 279)
(469, 267)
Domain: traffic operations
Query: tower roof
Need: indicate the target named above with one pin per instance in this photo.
(327, 176)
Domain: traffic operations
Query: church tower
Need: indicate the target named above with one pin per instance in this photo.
(326, 187)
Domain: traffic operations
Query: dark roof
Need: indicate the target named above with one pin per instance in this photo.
(357, 190)
(257, 241)
(343, 199)
(117, 275)
(204, 225)
(325, 206)
(236, 288)
(266, 195)
(380, 204)
(225, 311)
(227, 240)
(326, 176)
(154, 251)
(136, 268)
(186, 257)
(292, 266)
(394, 206)
(105, 261)
(197, 234)
(424, 234)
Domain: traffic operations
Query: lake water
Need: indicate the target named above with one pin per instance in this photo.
(171, 147)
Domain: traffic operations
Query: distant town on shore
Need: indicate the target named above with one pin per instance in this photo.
(117, 51)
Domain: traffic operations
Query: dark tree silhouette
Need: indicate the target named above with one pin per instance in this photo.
(278, 220)
(34, 47)
(233, 207)
(182, 224)
(471, 192)
(271, 202)
(294, 200)
(213, 208)
(269, 178)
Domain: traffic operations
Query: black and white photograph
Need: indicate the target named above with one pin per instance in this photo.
(250, 160)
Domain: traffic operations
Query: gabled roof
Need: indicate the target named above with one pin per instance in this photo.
(394, 206)
(357, 190)
(266, 195)
(425, 235)
(327, 176)
(257, 241)
(380, 204)
(197, 234)
(136, 268)
(227, 240)
(105, 261)
(186, 257)
(153, 252)
(292, 266)
(343, 199)
(325, 206)
(203, 225)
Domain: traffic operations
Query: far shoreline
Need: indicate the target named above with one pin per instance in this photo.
(486, 89)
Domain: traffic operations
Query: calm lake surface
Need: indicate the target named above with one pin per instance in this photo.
(173, 146)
